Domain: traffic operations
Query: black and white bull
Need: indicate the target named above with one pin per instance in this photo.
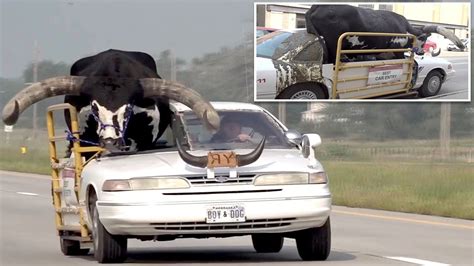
(121, 100)
(331, 21)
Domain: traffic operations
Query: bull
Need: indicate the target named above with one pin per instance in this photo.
(121, 101)
(331, 21)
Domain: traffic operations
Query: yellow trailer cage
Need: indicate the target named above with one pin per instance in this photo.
(77, 235)
(358, 80)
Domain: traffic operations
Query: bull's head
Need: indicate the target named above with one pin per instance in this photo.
(109, 104)
(420, 42)
(426, 31)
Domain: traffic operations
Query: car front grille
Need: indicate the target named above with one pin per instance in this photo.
(221, 179)
(249, 224)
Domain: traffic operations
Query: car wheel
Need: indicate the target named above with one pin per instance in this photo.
(72, 248)
(303, 91)
(314, 243)
(107, 247)
(267, 243)
(431, 84)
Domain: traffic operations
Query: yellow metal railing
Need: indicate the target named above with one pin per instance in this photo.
(78, 164)
(338, 65)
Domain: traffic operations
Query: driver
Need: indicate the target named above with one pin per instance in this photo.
(230, 131)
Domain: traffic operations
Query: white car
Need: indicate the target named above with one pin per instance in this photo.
(289, 65)
(155, 195)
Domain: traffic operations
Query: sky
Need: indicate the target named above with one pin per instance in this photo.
(67, 30)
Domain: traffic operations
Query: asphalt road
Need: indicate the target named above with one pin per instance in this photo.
(458, 87)
(360, 237)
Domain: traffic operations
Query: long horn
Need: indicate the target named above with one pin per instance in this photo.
(182, 94)
(244, 159)
(37, 92)
(198, 161)
(201, 161)
(446, 33)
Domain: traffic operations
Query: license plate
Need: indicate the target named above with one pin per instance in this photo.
(225, 214)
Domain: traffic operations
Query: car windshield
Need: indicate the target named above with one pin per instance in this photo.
(267, 44)
(238, 130)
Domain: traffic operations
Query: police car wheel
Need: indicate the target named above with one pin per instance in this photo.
(431, 84)
(303, 91)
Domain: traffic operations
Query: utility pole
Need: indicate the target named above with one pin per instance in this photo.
(35, 79)
(445, 130)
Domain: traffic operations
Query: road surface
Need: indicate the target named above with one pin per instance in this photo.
(456, 88)
(360, 237)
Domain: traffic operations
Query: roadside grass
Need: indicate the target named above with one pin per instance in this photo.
(36, 160)
(424, 188)
(357, 179)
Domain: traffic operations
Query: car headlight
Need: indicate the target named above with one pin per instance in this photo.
(145, 184)
(450, 66)
(318, 178)
(290, 179)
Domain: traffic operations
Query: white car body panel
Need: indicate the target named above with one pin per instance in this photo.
(426, 64)
(266, 78)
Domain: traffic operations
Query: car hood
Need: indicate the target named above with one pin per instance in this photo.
(425, 60)
(169, 163)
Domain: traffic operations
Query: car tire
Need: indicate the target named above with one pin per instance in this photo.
(107, 247)
(267, 243)
(314, 243)
(72, 248)
(432, 84)
(303, 91)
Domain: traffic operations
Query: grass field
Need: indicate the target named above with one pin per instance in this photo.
(424, 188)
(409, 183)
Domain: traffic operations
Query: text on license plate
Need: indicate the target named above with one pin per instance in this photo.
(225, 214)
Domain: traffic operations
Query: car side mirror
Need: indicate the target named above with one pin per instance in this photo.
(293, 136)
(309, 142)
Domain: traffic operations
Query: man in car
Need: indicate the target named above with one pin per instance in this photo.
(230, 131)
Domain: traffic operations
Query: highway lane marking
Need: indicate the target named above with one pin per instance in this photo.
(27, 193)
(405, 219)
(418, 261)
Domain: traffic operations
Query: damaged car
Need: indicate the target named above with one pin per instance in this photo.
(290, 64)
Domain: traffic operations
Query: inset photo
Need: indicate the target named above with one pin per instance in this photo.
(373, 51)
